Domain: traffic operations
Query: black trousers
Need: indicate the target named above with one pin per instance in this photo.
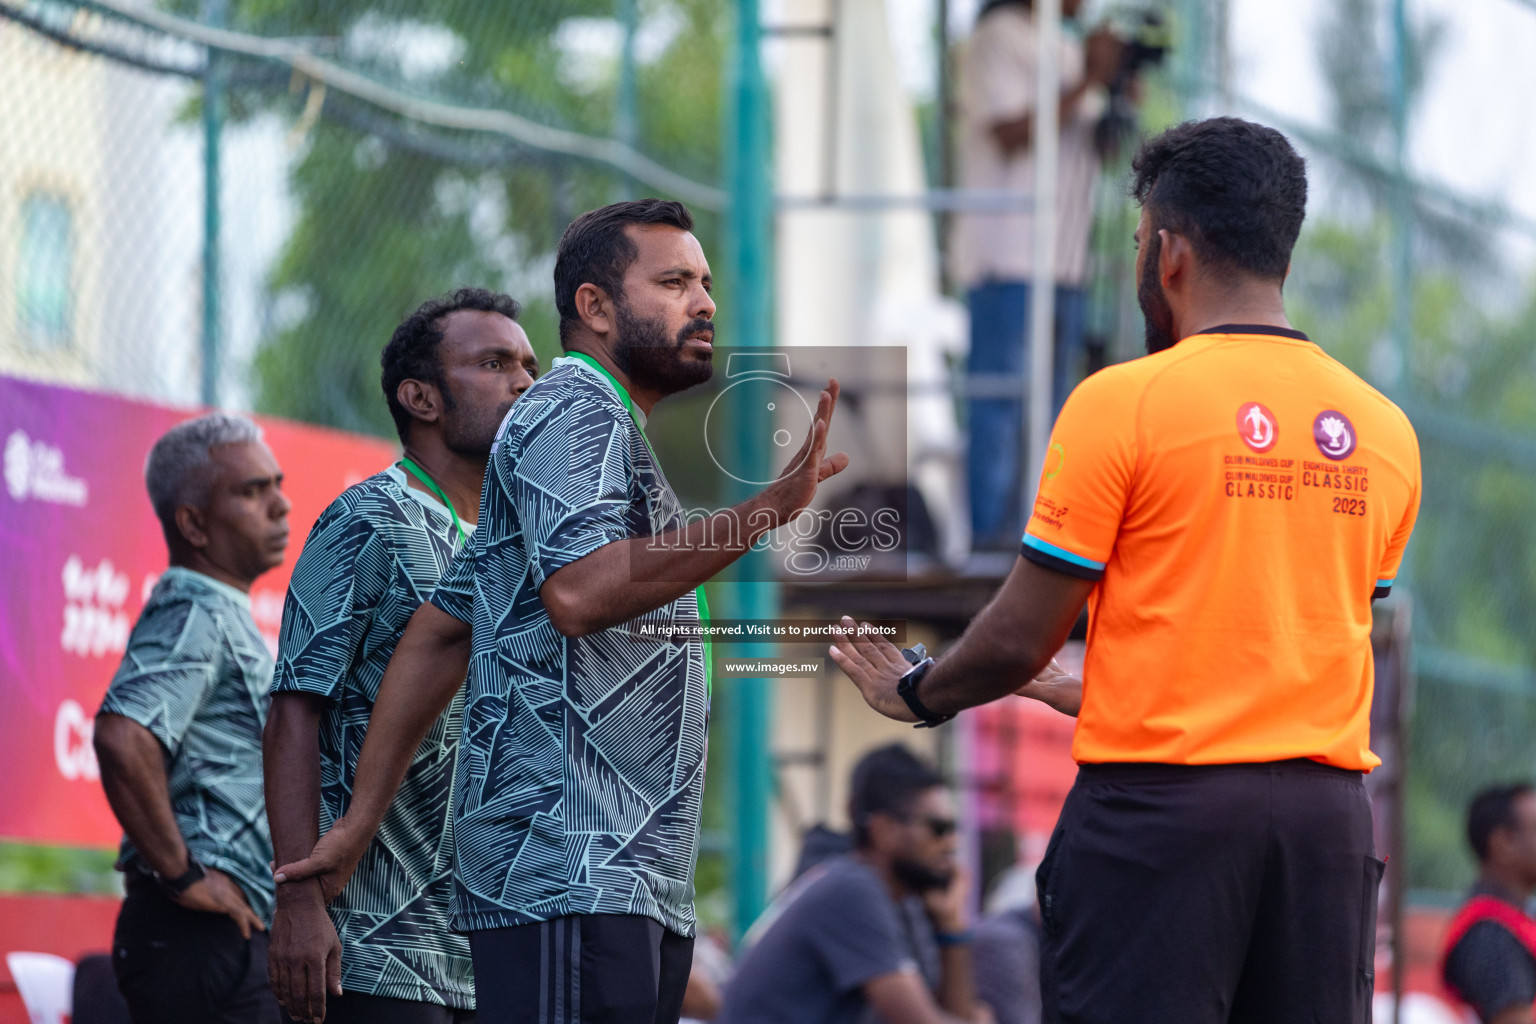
(586, 969)
(180, 966)
(357, 1008)
(1175, 894)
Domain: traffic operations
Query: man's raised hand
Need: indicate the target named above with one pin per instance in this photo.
(796, 488)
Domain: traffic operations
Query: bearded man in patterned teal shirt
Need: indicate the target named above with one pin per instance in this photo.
(581, 769)
(178, 736)
(450, 373)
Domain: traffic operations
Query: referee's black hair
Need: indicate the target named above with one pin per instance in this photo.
(887, 780)
(595, 250)
(1237, 190)
(1493, 808)
(412, 352)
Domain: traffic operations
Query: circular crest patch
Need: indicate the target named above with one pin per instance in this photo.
(1334, 434)
(1257, 426)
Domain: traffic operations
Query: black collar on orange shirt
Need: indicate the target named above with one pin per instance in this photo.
(1284, 332)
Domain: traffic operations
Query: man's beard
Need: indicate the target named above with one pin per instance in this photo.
(920, 877)
(654, 361)
(471, 432)
(1154, 301)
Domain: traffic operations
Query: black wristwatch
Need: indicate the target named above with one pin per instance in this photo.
(917, 656)
(182, 882)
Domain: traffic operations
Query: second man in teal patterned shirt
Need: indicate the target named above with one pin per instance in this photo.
(451, 372)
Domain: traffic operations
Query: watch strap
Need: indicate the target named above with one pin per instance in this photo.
(182, 882)
(907, 690)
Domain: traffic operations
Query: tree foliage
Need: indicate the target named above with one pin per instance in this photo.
(391, 212)
(1471, 381)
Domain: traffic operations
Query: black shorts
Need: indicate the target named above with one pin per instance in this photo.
(175, 964)
(585, 969)
(1176, 894)
(358, 1008)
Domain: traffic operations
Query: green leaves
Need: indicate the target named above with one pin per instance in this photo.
(391, 212)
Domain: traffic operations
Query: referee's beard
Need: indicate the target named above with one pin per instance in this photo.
(1153, 300)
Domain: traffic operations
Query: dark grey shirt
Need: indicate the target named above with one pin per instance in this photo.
(1005, 956)
(1489, 967)
(833, 931)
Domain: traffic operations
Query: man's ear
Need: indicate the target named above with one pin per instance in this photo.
(192, 524)
(595, 308)
(1499, 838)
(878, 827)
(1174, 257)
(420, 399)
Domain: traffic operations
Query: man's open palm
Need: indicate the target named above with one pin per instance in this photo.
(796, 488)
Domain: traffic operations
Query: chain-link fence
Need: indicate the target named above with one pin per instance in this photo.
(234, 203)
(1429, 295)
(363, 156)
(367, 153)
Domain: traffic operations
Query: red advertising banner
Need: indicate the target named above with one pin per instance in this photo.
(1018, 765)
(80, 550)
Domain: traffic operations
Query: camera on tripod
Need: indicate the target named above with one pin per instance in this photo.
(1147, 40)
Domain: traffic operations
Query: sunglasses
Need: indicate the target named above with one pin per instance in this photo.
(940, 827)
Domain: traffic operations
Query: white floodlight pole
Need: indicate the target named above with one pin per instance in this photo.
(1042, 290)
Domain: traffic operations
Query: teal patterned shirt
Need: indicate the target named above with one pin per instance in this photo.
(196, 675)
(582, 765)
(372, 558)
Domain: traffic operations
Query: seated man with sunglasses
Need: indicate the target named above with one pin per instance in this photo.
(881, 927)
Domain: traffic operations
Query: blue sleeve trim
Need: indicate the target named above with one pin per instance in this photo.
(1060, 560)
(1044, 547)
(1386, 583)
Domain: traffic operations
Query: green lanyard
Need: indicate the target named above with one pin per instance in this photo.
(426, 478)
(703, 603)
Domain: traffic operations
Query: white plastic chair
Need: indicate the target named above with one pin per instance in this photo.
(1418, 1008)
(46, 983)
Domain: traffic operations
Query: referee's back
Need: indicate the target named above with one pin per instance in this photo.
(1241, 497)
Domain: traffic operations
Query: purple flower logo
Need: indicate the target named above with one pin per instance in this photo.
(1334, 434)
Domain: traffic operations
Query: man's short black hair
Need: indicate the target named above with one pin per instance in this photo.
(887, 780)
(595, 250)
(412, 352)
(1493, 808)
(1237, 190)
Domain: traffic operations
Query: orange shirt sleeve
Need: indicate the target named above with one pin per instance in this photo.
(1087, 478)
(1393, 559)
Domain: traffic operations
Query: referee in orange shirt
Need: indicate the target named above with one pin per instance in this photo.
(1228, 507)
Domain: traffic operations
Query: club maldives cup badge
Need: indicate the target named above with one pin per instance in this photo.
(1257, 426)
(1334, 434)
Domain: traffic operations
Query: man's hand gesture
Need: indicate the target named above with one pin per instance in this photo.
(1055, 687)
(217, 893)
(304, 958)
(875, 665)
(792, 492)
(331, 862)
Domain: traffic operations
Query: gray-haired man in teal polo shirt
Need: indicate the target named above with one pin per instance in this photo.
(179, 736)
